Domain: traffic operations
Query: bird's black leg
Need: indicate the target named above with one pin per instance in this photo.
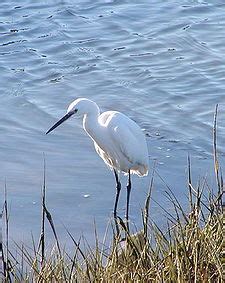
(118, 189)
(128, 199)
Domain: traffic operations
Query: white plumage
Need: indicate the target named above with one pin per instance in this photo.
(118, 140)
(125, 146)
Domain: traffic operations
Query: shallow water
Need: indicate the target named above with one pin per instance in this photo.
(160, 62)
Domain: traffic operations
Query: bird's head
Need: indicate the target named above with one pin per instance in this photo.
(79, 107)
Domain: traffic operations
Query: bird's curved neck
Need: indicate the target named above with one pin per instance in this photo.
(92, 126)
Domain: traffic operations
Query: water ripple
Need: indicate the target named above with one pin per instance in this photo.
(161, 62)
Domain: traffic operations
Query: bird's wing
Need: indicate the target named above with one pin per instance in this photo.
(105, 117)
(127, 137)
(125, 145)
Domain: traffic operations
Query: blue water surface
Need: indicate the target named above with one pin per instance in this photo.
(160, 62)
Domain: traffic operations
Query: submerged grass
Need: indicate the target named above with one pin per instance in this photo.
(188, 250)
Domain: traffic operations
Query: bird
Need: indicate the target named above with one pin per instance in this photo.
(117, 139)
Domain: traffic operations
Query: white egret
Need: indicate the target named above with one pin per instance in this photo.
(118, 140)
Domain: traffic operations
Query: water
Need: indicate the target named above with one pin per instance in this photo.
(160, 62)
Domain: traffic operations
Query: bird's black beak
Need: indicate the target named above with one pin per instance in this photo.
(63, 119)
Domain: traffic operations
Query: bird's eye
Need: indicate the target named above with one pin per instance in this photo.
(75, 110)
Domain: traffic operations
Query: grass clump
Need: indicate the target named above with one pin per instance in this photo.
(189, 250)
